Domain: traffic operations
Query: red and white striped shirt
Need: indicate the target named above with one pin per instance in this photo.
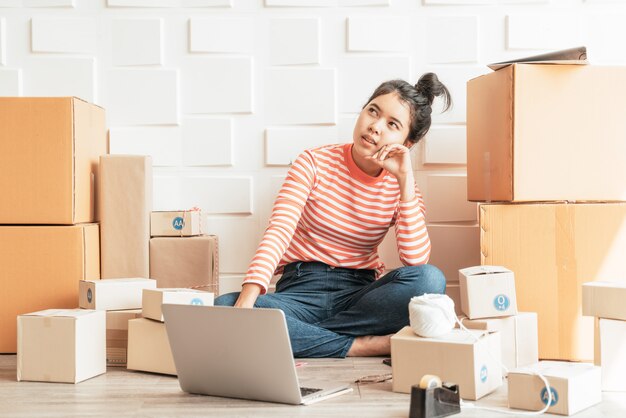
(329, 210)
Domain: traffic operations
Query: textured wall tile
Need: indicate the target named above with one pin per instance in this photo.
(442, 45)
(300, 3)
(605, 34)
(235, 251)
(542, 31)
(390, 34)
(146, 45)
(445, 196)
(48, 3)
(10, 82)
(294, 41)
(60, 77)
(300, 96)
(166, 192)
(207, 142)
(213, 34)
(63, 35)
(358, 85)
(461, 240)
(283, 145)
(218, 194)
(349, 3)
(217, 85)
(141, 97)
(162, 143)
(3, 42)
(445, 145)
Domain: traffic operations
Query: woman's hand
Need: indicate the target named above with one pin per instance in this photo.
(396, 159)
(249, 293)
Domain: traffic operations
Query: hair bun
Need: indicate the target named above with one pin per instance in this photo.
(430, 87)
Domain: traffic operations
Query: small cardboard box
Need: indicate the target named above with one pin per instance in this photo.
(605, 299)
(518, 337)
(40, 267)
(454, 292)
(149, 348)
(487, 292)
(49, 150)
(58, 345)
(455, 357)
(610, 353)
(125, 203)
(574, 387)
(117, 335)
(182, 223)
(113, 294)
(520, 149)
(185, 262)
(154, 298)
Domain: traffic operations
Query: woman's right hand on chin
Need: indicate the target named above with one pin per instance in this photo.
(249, 293)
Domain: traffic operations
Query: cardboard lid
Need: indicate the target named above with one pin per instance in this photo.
(577, 55)
(456, 336)
(558, 369)
(616, 285)
(71, 313)
(483, 270)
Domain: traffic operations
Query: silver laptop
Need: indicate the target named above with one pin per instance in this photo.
(238, 353)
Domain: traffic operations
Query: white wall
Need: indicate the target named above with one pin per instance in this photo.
(224, 93)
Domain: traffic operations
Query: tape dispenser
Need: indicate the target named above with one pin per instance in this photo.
(432, 398)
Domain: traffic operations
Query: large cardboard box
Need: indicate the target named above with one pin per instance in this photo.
(610, 354)
(185, 262)
(59, 345)
(553, 249)
(149, 347)
(182, 223)
(518, 337)
(574, 387)
(153, 299)
(605, 299)
(125, 204)
(49, 150)
(471, 361)
(568, 146)
(487, 291)
(40, 267)
(113, 294)
(117, 335)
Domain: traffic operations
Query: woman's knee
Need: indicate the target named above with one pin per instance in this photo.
(426, 278)
(227, 299)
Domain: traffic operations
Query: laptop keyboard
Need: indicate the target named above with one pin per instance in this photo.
(307, 391)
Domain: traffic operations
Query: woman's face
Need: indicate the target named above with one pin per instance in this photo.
(385, 120)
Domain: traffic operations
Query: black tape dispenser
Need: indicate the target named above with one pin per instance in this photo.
(433, 399)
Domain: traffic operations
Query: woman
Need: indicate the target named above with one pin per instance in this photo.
(332, 212)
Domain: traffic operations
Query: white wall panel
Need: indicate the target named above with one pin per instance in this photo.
(345, 128)
(216, 34)
(162, 143)
(60, 77)
(542, 31)
(445, 145)
(207, 142)
(48, 3)
(300, 96)
(146, 45)
(10, 82)
(283, 145)
(604, 37)
(359, 77)
(141, 97)
(10, 3)
(206, 3)
(217, 85)
(348, 3)
(238, 240)
(166, 192)
(63, 35)
(217, 194)
(169, 3)
(377, 33)
(294, 41)
(444, 45)
(445, 196)
(300, 3)
(3, 42)
(456, 2)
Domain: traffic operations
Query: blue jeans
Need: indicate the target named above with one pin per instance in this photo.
(327, 307)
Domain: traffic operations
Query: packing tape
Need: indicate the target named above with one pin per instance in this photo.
(430, 381)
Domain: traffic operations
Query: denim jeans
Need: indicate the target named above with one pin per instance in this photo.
(327, 307)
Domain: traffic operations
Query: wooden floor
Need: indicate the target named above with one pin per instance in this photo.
(125, 393)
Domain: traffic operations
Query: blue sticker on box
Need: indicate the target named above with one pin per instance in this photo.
(178, 223)
(501, 302)
(197, 302)
(483, 374)
(544, 396)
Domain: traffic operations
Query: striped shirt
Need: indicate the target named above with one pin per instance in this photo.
(329, 210)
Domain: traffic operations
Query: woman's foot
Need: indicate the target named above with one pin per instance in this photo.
(371, 345)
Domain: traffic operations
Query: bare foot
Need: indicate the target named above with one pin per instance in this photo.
(371, 345)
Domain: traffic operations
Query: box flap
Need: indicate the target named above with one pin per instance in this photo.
(558, 369)
(70, 313)
(484, 270)
(577, 55)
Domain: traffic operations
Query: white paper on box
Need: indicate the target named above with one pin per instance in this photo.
(61, 345)
(113, 294)
(487, 292)
(611, 354)
(182, 223)
(153, 299)
(605, 299)
(149, 347)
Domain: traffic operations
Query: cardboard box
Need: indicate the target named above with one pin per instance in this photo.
(487, 291)
(113, 294)
(454, 292)
(59, 345)
(574, 387)
(117, 335)
(553, 249)
(521, 149)
(182, 223)
(518, 337)
(49, 150)
(154, 298)
(149, 348)
(605, 299)
(185, 262)
(610, 355)
(455, 357)
(40, 267)
(125, 204)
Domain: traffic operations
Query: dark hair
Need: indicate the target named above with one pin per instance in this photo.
(419, 98)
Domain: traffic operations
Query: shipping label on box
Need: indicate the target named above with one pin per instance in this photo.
(605, 299)
(487, 291)
(113, 294)
(470, 359)
(611, 354)
(183, 223)
(153, 299)
(574, 387)
(518, 337)
(117, 335)
(58, 345)
(149, 347)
